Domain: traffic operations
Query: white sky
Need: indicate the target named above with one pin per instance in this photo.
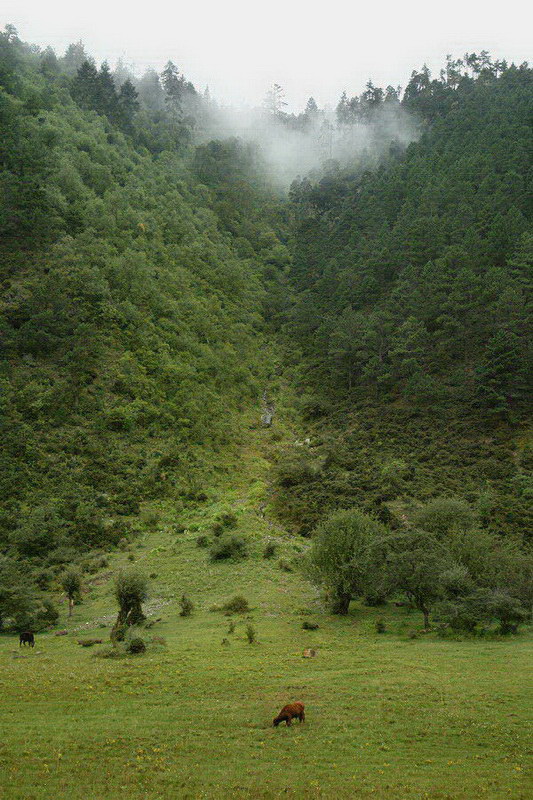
(240, 47)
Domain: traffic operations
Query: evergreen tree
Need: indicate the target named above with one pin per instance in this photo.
(274, 101)
(174, 87)
(128, 105)
(74, 58)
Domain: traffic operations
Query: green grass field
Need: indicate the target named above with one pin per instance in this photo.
(387, 716)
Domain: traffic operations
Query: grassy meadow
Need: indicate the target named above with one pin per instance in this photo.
(388, 716)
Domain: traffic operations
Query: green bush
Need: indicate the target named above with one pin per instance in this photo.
(187, 606)
(237, 605)
(228, 519)
(202, 541)
(445, 515)
(136, 645)
(251, 634)
(229, 547)
(481, 607)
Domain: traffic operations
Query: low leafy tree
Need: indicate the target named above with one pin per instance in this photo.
(417, 565)
(71, 584)
(342, 556)
(131, 590)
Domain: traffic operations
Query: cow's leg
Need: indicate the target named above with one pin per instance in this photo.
(289, 722)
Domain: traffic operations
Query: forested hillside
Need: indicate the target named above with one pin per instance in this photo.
(148, 268)
(409, 330)
(132, 298)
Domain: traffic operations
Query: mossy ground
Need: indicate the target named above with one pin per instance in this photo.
(387, 716)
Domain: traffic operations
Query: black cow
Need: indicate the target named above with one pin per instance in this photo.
(27, 637)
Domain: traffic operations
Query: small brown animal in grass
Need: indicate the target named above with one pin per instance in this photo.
(290, 712)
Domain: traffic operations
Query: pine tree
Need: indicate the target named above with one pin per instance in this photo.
(274, 101)
(128, 105)
(85, 86)
(107, 102)
(173, 85)
(75, 56)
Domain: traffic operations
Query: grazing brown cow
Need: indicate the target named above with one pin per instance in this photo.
(27, 637)
(290, 712)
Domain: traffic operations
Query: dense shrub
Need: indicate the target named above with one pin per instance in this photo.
(228, 519)
(136, 645)
(483, 606)
(251, 634)
(445, 515)
(229, 546)
(237, 605)
(186, 605)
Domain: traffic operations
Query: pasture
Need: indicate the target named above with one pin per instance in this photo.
(387, 716)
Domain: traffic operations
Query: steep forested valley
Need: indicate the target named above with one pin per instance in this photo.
(265, 383)
(157, 279)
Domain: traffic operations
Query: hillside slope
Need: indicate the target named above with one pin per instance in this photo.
(409, 336)
(132, 311)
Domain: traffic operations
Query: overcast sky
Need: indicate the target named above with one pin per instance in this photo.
(240, 47)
